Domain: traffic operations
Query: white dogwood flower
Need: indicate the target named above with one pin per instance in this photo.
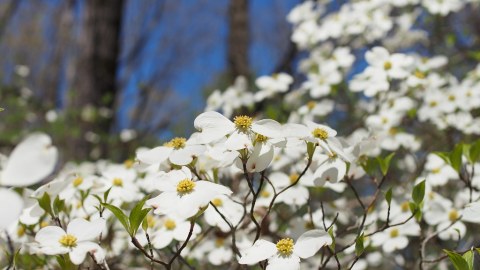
(286, 254)
(77, 241)
(182, 197)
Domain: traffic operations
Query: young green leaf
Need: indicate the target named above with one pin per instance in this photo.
(468, 257)
(359, 247)
(310, 149)
(388, 196)
(45, 203)
(137, 215)
(418, 192)
(58, 205)
(118, 213)
(444, 155)
(458, 261)
(385, 163)
(456, 157)
(330, 232)
(475, 152)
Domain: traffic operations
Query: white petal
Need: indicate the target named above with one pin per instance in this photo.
(471, 213)
(213, 126)
(11, 207)
(154, 156)
(284, 263)
(78, 254)
(258, 162)
(30, 162)
(260, 251)
(86, 230)
(237, 141)
(181, 157)
(183, 229)
(295, 130)
(268, 127)
(310, 242)
(49, 236)
(162, 239)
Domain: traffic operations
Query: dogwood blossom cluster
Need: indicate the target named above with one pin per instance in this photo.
(359, 168)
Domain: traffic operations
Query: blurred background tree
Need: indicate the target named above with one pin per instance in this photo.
(104, 77)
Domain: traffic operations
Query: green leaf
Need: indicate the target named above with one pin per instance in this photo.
(105, 195)
(310, 150)
(466, 151)
(418, 192)
(45, 203)
(118, 213)
(145, 223)
(137, 215)
(456, 157)
(444, 155)
(388, 196)
(458, 261)
(330, 232)
(359, 247)
(416, 209)
(370, 165)
(58, 205)
(475, 152)
(468, 257)
(385, 163)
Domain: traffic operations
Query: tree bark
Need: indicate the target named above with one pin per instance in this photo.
(238, 39)
(96, 71)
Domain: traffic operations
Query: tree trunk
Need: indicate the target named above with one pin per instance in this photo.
(238, 39)
(95, 77)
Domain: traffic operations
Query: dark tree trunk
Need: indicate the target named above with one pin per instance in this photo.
(238, 38)
(96, 71)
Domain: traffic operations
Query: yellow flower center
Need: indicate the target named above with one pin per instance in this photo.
(320, 133)
(68, 240)
(128, 163)
(170, 224)
(453, 215)
(176, 143)
(151, 221)
(260, 138)
(419, 74)
(219, 242)
(118, 182)
(243, 122)
(405, 207)
(21, 231)
(265, 194)
(285, 246)
(433, 104)
(394, 233)
(451, 98)
(44, 224)
(185, 186)
(217, 202)
(77, 181)
(387, 65)
(294, 178)
(436, 170)
(311, 105)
